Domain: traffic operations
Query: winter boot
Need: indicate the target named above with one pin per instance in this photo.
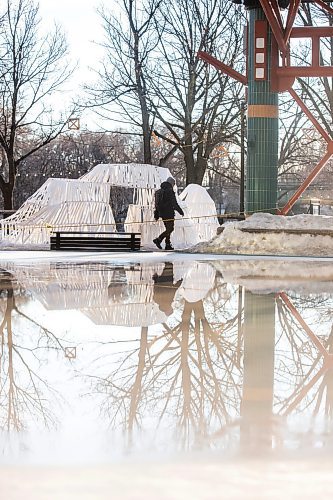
(157, 243)
(168, 246)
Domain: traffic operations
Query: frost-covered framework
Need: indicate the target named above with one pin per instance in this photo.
(60, 204)
(130, 175)
(84, 205)
(132, 303)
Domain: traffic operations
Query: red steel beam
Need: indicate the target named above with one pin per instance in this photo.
(315, 62)
(276, 9)
(275, 23)
(315, 122)
(324, 6)
(293, 8)
(318, 168)
(305, 390)
(305, 184)
(327, 364)
(222, 67)
(304, 71)
(311, 32)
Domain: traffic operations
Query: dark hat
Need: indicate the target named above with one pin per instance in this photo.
(171, 181)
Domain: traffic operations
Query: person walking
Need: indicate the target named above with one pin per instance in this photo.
(165, 206)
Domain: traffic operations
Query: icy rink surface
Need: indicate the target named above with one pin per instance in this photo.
(81, 299)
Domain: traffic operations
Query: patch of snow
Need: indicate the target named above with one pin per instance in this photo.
(7, 245)
(235, 241)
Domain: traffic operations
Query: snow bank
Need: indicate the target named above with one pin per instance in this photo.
(235, 241)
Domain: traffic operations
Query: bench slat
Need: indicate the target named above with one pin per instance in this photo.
(96, 241)
(95, 249)
(75, 240)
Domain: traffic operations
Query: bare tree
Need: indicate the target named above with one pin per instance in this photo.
(155, 79)
(318, 92)
(196, 103)
(32, 69)
(190, 371)
(129, 41)
(71, 155)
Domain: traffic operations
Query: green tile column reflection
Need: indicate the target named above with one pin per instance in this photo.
(258, 382)
(262, 135)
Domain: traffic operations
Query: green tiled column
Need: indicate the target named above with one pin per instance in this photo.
(262, 135)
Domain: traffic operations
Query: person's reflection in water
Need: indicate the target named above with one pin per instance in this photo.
(6, 280)
(165, 289)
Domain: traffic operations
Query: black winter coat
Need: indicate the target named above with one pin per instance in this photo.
(166, 202)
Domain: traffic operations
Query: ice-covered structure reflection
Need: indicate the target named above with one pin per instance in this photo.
(130, 295)
(213, 364)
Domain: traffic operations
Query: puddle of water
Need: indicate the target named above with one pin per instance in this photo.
(106, 364)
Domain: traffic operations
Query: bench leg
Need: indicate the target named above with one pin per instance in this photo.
(57, 241)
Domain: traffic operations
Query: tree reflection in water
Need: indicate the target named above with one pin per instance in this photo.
(226, 369)
(311, 357)
(24, 346)
(216, 365)
(188, 376)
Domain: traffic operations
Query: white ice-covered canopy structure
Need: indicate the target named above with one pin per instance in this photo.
(84, 205)
(129, 175)
(59, 204)
(81, 204)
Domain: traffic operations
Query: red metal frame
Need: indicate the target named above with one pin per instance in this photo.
(324, 6)
(318, 168)
(320, 165)
(293, 8)
(222, 67)
(283, 77)
(282, 33)
(284, 297)
(272, 12)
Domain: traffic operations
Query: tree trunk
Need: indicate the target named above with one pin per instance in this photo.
(7, 193)
(146, 135)
(194, 171)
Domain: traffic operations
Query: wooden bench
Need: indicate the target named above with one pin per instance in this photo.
(104, 242)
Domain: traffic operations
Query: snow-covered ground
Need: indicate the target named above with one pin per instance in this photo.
(262, 262)
(237, 240)
(234, 240)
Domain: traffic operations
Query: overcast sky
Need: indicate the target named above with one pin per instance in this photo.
(82, 26)
(80, 22)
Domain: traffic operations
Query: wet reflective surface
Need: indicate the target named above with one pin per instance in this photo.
(215, 361)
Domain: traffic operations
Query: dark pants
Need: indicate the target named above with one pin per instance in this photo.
(169, 227)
